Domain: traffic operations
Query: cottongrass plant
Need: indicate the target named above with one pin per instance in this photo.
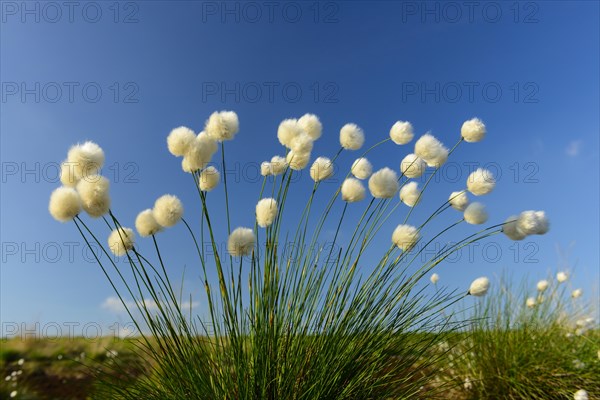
(310, 323)
(530, 341)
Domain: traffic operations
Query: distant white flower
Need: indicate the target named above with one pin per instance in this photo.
(468, 385)
(383, 184)
(265, 168)
(351, 137)
(179, 140)
(412, 166)
(199, 152)
(21, 361)
(530, 302)
(279, 164)
(209, 179)
(65, 204)
(479, 287)
(321, 169)
(222, 125)
(146, 224)
(94, 193)
(511, 230)
(287, 131)
(311, 125)
(86, 159)
(405, 237)
(266, 211)
(241, 242)
(542, 285)
(410, 194)
(121, 240)
(533, 223)
(581, 395)
(431, 150)
(475, 214)
(578, 364)
(434, 278)
(401, 132)
(459, 200)
(353, 190)
(473, 130)
(480, 182)
(167, 210)
(302, 143)
(297, 161)
(361, 168)
(562, 276)
(576, 293)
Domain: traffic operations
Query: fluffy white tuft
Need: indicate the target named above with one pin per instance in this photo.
(562, 276)
(530, 302)
(581, 395)
(279, 164)
(473, 130)
(222, 125)
(383, 184)
(199, 152)
(167, 210)
(321, 169)
(577, 293)
(353, 190)
(459, 200)
(431, 150)
(479, 287)
(241, 242)
(287, 131)
(412, 166)
(542, 285)
(410, 194)
(146, 224)
(533, 223)
(121, 240)
(94, 193)
(405, 237)
(265, 168)
(351, 137)
(311, 125)
(68, 174)
(475, 214)
(86, 159)
(434, 278)
(209, 179)
(297, 161)
(179, 140)
(401, 132)
(302, 143)
(266, 211)
(361, 168)
(65, 204)
(480, 182)
(511, 230)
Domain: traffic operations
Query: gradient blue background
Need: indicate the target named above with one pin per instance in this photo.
(354, 62)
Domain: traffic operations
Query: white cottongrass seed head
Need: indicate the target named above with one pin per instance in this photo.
(511, 230)
(278, 165)
(167, 210)
(121, 240)
(459, 200)
(68, 174)
(480, 182)
(530, 302)
(265, 168)
(361, 168)
(222, 125)
(431, 150)
(199, 152)
(353, 190)
(297, 161)
(65, 204)
(351, 137)
(383, 184)
(412, 166)
(94, 193)
(533, 223)
(321, 169)
(473, 130)
(542, 285)
(434, 278)
(581, 395)
(562, 276)
(410, 194)
(86, 158)
(288, 130)
(405, 237)
(401, 132)
(266, 211)
(241, 242)
(311, 125)
(209, 179)
(179, 140)
(577, 293)
(302, 143)
(475, 214)
(479, 287)
(146, 224)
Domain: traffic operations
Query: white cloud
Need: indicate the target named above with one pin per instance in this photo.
(574, 148)
(114, 305)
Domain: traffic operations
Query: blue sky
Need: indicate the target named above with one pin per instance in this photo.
(124, 76)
